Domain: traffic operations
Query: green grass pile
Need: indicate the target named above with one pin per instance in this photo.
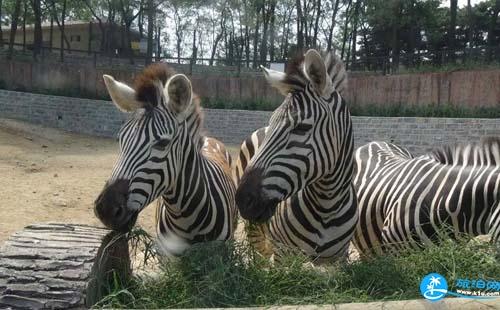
(223, 274)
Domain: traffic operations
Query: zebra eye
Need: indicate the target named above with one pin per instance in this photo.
(161, 144)
(301, 129)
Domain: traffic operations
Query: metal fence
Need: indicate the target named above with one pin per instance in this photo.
(237, 67)
(460, 57)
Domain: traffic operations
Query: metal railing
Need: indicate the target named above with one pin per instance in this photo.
(237, 67)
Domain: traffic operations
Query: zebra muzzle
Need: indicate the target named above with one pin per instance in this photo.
(111, 209)
(252, 204)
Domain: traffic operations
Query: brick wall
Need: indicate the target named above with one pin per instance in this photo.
(101, 118)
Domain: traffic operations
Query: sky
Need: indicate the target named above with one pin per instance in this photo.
(462, 3)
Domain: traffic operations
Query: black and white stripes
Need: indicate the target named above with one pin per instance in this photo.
(411, 202)
(295, 176)
(162, 154)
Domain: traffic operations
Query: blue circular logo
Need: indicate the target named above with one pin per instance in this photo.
(433, 287)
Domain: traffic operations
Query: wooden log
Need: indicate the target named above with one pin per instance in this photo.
(60, 266)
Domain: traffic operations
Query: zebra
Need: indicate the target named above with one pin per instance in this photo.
(409, 202)
(163, 154)
(295, 176)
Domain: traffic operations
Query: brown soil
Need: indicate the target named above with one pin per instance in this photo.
(51, 175)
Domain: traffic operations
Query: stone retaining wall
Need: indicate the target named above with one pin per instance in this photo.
(101, 118)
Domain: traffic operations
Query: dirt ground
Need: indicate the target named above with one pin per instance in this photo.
(51, 175)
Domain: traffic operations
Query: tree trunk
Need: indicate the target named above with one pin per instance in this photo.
(316, 23)
(355, 33)
(151, 17)
(1, 32)
(272, 30)
(332, 26)
(59, 24)
(24, 25)
(395, 37)
(348, 57)
(265, 27)
(13, 27)
(300, 26)
(101, 26)
(128, 41)
(346, 23)
(451, 31)
(63, 17)
(214, 48)
(195, 53)
(158, 44)
(286, 31)
(256, 38)
(492, 45)
(51, 32)
(305, 25)
(247, 45)
(470, 24)
(38, 35)
(140, 23)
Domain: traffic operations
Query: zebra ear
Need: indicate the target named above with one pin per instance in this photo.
(315, 70)
(122, 95)
(277, 80)
(180, 94)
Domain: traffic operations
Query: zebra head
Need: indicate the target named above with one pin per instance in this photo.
(150, 143)
(305, 139)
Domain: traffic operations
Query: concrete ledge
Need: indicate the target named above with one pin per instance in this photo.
(416, 304)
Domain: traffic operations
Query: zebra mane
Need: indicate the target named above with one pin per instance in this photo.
(146, 87)
(145, 83)
(296, 77)
(484, 152)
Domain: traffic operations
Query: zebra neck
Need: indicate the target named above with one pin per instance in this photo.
(193, 126)
(190, 189)
(327, 198)
(334, 190)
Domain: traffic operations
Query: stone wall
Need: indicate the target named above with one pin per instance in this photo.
(101, 118)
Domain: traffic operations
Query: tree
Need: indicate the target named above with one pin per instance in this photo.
(151, 16)
(331, 26)
(130, 9)
(1, 32)
(13, 27)
(300, 25)
(38, 35)
(491, 30)
(451, 31)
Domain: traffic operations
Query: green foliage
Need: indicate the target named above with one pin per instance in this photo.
(224, 274)
(430, 110)
(395, 110)
(244, 104)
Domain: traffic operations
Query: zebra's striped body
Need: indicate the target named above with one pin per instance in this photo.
(295, 176)
(410, 202)
(163, 154)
